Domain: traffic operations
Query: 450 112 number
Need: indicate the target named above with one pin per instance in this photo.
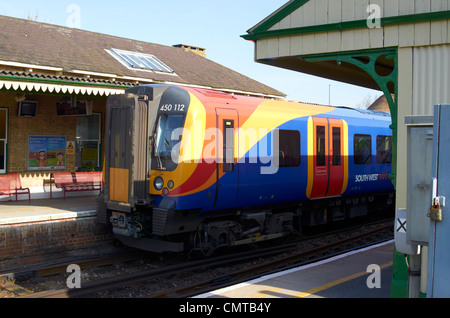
(173, 108)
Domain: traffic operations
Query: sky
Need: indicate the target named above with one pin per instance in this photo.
(216, 25)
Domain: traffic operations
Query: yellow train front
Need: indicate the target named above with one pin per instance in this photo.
(196, 169)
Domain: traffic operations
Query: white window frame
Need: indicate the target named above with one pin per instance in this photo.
(99, 140)
(116, 53)
(5, 150)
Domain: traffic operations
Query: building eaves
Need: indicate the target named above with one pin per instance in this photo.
(60, 79)
(277, 16)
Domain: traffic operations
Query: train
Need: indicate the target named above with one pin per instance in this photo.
(195, 169)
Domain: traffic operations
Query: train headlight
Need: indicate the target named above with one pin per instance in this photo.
(171, 184)
(158, 183)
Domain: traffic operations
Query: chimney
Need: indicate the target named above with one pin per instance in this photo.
(197, 50)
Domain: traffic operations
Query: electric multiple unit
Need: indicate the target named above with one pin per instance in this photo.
(190, 168)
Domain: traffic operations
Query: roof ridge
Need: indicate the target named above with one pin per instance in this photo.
(83, 30)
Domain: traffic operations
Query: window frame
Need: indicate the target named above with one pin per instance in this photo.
(336, 160)
(368, 159)
(228, 145)
(388, 152)
(290, 159)
(5, 140)
(99, 143)
(141, 61)
(321, 139)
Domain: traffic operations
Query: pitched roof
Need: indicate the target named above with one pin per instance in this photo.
(74, 50)
(381, 104)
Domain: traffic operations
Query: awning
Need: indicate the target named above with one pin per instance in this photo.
(60, 88)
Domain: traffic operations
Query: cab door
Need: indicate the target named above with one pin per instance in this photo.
(126, 150)
(226, 142)
(327, 159)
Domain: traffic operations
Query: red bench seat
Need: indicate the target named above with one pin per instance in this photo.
(10, 184)
(76, 181)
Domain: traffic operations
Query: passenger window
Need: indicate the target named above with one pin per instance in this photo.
(289, 148)
(384, 149)
(362, 149)
(320, 139)
(228, 145)
(336, 146)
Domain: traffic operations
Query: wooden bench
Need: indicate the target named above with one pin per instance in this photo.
(76, 181)
(10, 185)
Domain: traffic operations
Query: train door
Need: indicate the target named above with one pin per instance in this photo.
(127, 159)
(118, 158)
(226, 144)
(327, 157)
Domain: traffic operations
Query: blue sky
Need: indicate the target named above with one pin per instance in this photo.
(212, 24)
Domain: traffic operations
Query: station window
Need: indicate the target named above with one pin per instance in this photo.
(3, 138)
(88, 142)
(362, 149)
(289, 148)
(384, 149)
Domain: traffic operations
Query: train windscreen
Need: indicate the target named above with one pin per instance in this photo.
(169, 129)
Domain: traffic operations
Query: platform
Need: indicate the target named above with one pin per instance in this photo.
(43, 231)
(44, 210)
(343, 276)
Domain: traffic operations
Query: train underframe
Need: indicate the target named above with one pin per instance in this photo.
(164, 229)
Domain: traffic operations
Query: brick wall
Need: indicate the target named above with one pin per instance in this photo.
(46, 123)
(39, 242)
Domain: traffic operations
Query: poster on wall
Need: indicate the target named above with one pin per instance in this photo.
(46, 152)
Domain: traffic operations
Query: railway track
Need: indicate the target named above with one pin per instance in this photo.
(227, 269)
(296, 258)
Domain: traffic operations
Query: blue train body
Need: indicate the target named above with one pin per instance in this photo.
(228, 170)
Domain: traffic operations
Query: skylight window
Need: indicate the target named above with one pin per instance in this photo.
(140, 61)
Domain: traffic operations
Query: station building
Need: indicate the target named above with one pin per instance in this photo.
(54, 84)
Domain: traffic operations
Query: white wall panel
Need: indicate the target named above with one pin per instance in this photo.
(391, 36)
(335, 11)
(334, 41)
(361, 9)
(297, 18)
(321, 12)
(406, 7)
(296, 45)
(439, 5)
(421, 6)
(431, 78)
(438, 31)
(309, 13)
(391, 8)
(348, 10)
(422, 33)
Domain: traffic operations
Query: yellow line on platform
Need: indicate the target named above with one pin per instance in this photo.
(315, 290)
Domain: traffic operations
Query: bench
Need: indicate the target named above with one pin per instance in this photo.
(76, 181)
(10, 185)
